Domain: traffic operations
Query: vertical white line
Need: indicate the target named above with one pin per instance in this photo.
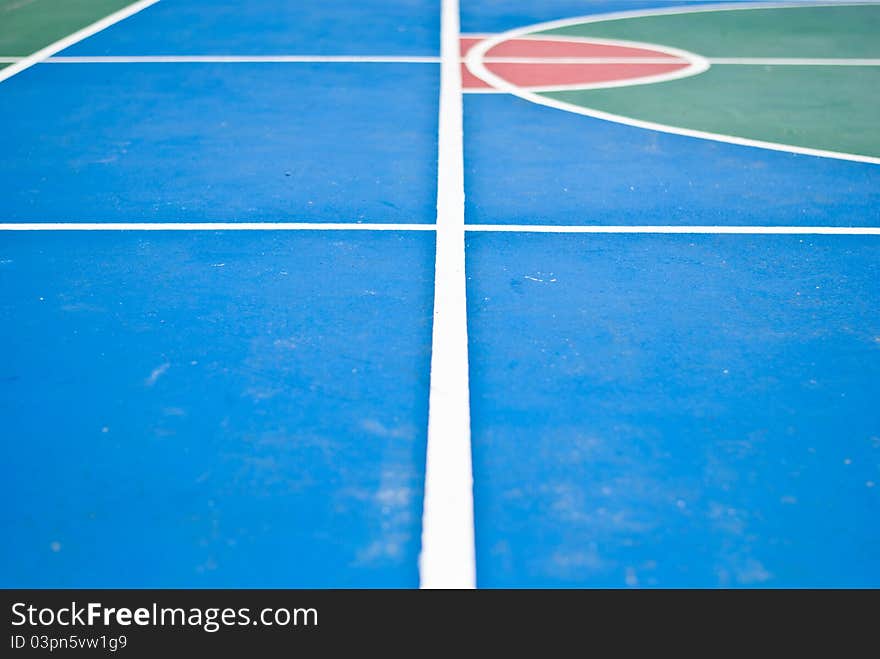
(447, 559)
(69, 40)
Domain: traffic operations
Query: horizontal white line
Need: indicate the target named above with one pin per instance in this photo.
(794, 61)
(749, 61)
(552, 228)
(346, 226)
(380, 59)
(584, 60)
(224, 59)
(211, 226)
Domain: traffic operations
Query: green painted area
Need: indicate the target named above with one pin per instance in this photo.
(844, 31)
(26, 26)
(833, 108)
(823, 107)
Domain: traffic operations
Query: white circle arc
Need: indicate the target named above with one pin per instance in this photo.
(474, 60)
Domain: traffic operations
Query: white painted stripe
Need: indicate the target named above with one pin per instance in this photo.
(71, 39)
(746, 61)
(211, 226)
(715, 229)
(794, 61)
(252, 59)
(585, 60)
(447, 558)
(392, 59)
(374, 226)
(682, 8)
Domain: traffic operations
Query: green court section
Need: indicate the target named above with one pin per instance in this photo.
(844, 31)
(833, 108)
(26, 26)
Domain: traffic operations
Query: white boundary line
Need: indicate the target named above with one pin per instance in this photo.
(71, 39)
(584, 60)
(391, 59)
(793, 61)
(231, 59)
(497, 228)
(475, 64)
(447, 558)
(693, 9)
(212, 226)
(742, 61)
(622, 229)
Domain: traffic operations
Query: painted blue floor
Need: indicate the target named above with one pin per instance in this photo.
(675, 410)
(269, 27)
(571, 169)
(207, 408)
(219, 142)
(213, 409)
(502, 15)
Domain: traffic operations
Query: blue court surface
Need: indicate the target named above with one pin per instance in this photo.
(253, 335)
